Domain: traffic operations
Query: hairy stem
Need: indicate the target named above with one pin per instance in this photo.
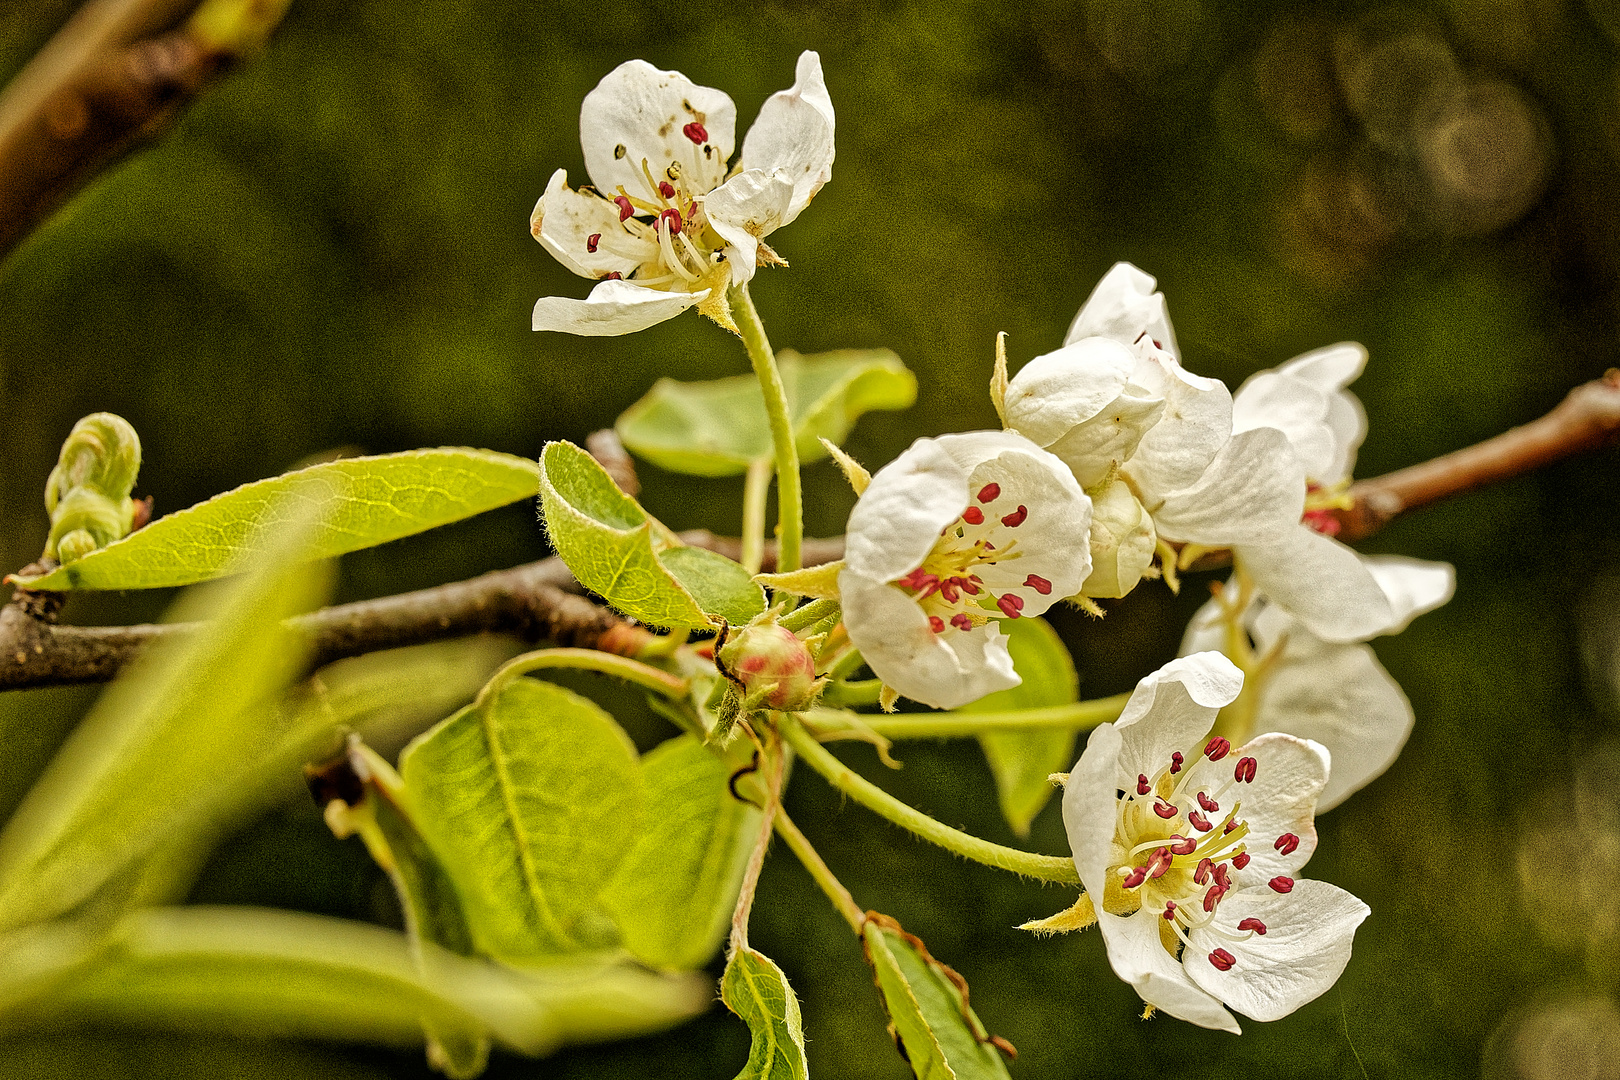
(956, 725)
(811, 858)
(756, 860)
(756, 486)
(1055, 868)
(810, 614)
(789, 501)
(623, 667)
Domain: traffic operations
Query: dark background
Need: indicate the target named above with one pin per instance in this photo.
(332, 251)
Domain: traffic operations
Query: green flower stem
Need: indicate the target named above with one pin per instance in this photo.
(586, 660)
(1055, 868)
(956, 725)
(811, 858)
(772, 771)
(790, 503)
(756, 486)
(810, 614)
(848, 694)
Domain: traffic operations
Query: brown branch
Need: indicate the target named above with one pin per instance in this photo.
(117, 75)
(610, 453)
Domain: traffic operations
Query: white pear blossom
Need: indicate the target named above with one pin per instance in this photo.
(1191, 851)
(1153, 444)
(954, 535)
(1335, 693)
(670, 224)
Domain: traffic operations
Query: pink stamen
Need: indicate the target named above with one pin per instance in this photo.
(1175, 762)
(666, 189)
(1287, 843)
(1253, 924)
(1230, 825)
(973, 516)
(1210, 805)
(1164, 810)
(1135, 877)
(1244, 773)
(626, 210)
(1217, 748)
(1158, 862)
(614, 276)
(1223, 876)
(1142, 785)
(947, 589)
(1016, 518)
(1187, 846)
(936, 624)
(961, 621)
(1010, 604)
(1241, 859)
(696, 132)
(672, 218)
(1199, 821)
(967, 585)
(989, 492)
(1039, 584)
(591, 241)
(1222, 959)
(1323, 521)
(1169, 911)
(1213, 896)
(1281, 884)
(1201, 875)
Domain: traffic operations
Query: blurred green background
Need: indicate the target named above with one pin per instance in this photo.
(332, 251)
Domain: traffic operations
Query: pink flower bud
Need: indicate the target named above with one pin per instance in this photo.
(771, 660)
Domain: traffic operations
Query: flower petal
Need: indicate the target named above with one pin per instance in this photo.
(613, 308)
(744, 210)
(1297, 409)
(1091, 808)
(1196, 425)
(1329, 588)
(1289, 776)
(1412, 586)
(1172, 709)
(945, 670)
(1254, 489)
(1303, 952)
(1124, 306)
(638, 113)
(898, 517)
(1122, 542)
(1331, 368)
(570, 223)
(1054, 393)
(793, 134)
(1138, 956)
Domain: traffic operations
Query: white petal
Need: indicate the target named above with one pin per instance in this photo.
(1289, 776)
(1206, 630)
(1091, 808)
(1173, 709)
(898, 517)
(1098, 446)
(794, 135)
(565, 221)
(1124, 306)
(945, 670)
(1196, 424)
(1348, 421)
(1413, 586)
(1053, 393)
(1326, 586)
(1297, 409)
(638, 112)
(1139, 957)
(1302, 953)
(1253, 490)
(745, 209)
(613, 308)
(1340, 696)
(1331, 368)
(1122, 542)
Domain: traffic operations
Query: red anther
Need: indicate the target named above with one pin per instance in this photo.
(911, 580)
(1158, 862)
(1175, 762)
(1213, 896)
(961, 621)
(1039, 584)
(1142, 785)
(1016, 518)
(591, 241)
(614, 276)
(936, 624)
(1217, 748)
(1199, 821)
(1210, 805)
(626, 210)
(1322, 521)
(666, 189)
(947, 589)
(696, 132)
(1223, 876)
(1164, 809)
(1253, 924)
(1230, 825)
(1169, 911)
(1281, 884)
(973, 516)
(1011, 604)
(1286, 843)
(1135, 877)
(988, 546)
(672, 218)
(1187, 846)
(967, 585)
(1222, 959)
(1244, 773)
(1201, 875)
(989, 492)
(1241, 859)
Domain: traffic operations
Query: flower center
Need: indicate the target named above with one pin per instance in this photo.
(1321, 502)
(666, 222)
(947, 586)
(1175, 849)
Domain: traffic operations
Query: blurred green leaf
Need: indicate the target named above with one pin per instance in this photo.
(636, 564)
(531, 800)
(939, 1034)
(373, 500)
(177, 732)
(673, 895)
(757, 991)
(718, 428)
(1022, 760)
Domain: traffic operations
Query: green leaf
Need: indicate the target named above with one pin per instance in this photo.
(1022, 760)
(531, 801)
(718, 428)
(672, 897)
(174, 736)
(756, 990)
(632, 561)
(373, 500)
(928, 1013)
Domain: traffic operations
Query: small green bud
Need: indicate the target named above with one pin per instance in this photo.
(774, 667)
(87, 493)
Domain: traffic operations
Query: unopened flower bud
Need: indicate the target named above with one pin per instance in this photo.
(774, 666)
(1122, 542)
(87, 493)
